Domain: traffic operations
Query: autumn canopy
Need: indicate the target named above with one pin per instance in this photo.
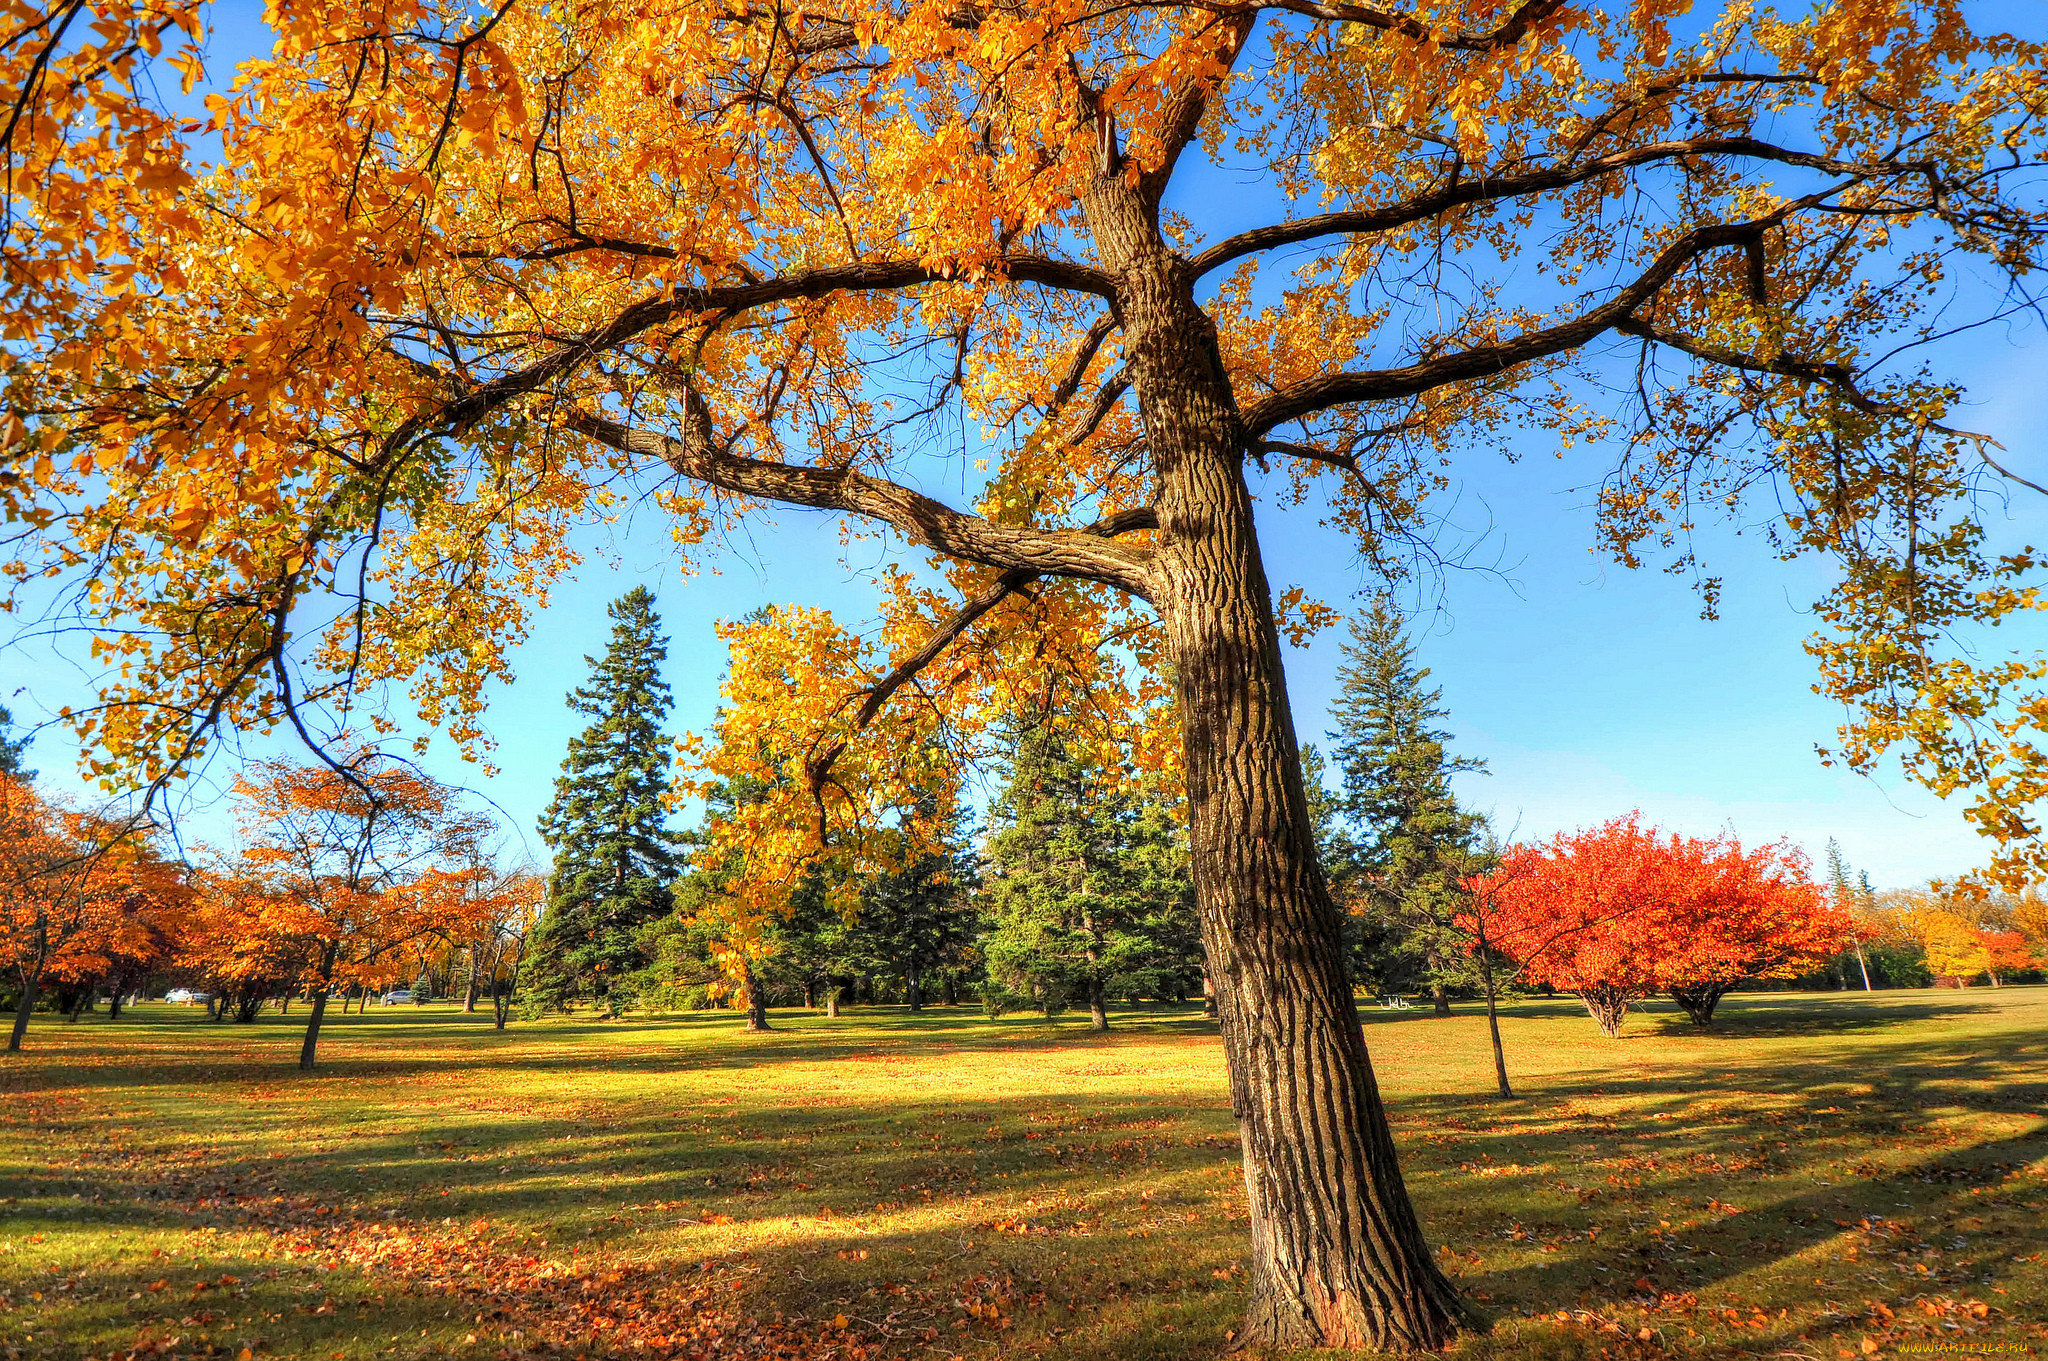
(315, 388)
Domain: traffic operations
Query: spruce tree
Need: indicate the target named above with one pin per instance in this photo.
(917, 922)
(1410, 843)
(615, 858)
(1088, 893)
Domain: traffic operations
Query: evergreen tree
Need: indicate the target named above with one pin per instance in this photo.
(1088, 889)
(615, 858)
(1410, 844)
(918, 922)
(12, 748)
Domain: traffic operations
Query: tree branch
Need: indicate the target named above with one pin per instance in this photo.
(1837, 376)
(1320, 393)
(970, 538)
(819, 767)
(1491, 188)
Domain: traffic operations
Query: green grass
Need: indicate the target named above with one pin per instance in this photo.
(1817, 1176)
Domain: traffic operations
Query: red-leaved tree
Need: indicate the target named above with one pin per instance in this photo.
(1621, 912)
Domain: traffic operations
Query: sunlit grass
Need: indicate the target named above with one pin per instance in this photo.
(947, 1185)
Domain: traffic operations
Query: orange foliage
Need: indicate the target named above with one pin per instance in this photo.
(82, 895)
(1622, 912)
(339, 871)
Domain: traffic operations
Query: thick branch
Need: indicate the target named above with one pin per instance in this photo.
(1312, 395)
(1046, 552)
(1460, 193)
(819, 767)
(1529, 14)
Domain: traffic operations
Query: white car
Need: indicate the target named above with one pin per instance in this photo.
(397, 997)
(186, 995)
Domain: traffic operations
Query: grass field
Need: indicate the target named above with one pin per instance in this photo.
(1819, 1176)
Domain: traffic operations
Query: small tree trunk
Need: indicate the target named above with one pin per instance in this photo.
(1864, 965)
(114, 999)
(913, 990)
(1441, 999)
(832, 1001)
(1500, 1058)
(952, 987)
(1208, 996)
(1098, 1010)
(756, 1000)
(31, 985)
(312, 1041)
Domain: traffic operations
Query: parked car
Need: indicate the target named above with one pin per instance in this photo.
(397, 997)
(187, 995)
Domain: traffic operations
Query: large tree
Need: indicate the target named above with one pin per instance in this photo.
(1412, 845)
(615, 857)
(317, 405)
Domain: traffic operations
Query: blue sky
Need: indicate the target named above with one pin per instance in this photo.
(1588, 689)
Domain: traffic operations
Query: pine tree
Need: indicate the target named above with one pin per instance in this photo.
(615, 858)
(1088, 889)
(1411, 844)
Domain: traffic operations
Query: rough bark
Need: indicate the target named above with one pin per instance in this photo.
(1338, 1257)
(1098, 1007)
(1441, 999)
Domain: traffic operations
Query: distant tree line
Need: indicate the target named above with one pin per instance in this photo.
(1073, 893)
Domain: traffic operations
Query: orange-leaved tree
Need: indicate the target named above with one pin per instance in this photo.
(1621, 912)
(332, 860)
(487, 913)
(453, 279)
(82, 894)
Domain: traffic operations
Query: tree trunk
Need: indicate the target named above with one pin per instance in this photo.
(1864, 965)
(1208, 995)
(1699, 1002)
(31, 985)
(952, 990)
(1338, 1258)
(114, 999)
(1500, 1058)
(1098, 1011)
(756, 1000)
(1441, 999)
(319, 1013)
(832, 1001)
(913, 990)
(470, 989)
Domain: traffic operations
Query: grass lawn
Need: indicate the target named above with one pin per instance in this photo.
(1818, 1176)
